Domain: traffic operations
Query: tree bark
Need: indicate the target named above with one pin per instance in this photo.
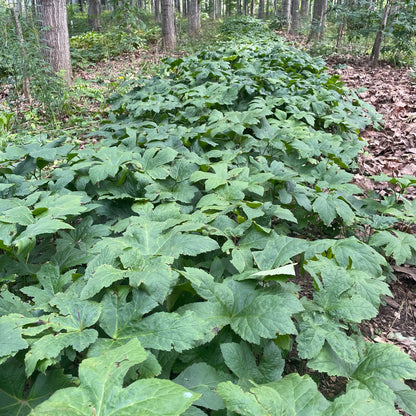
(157, 10)
(286, 5)
(54, 36)
(375, 52)
(168, 25)
(317, 31)
(194, 19)
(244, 7)
(19, 33)
(94, 12)
(261, 9)
(304, 11)
(295, 16)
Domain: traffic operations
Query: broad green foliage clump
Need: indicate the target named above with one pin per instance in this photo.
(151, 273)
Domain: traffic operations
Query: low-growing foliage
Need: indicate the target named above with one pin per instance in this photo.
(154, 271)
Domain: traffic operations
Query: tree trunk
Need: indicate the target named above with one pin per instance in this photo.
(244, 7)
(19, 33)
(295, 16)
(318, 20)
(238, 7)
(157, 10)
(168, 25)
(184, 8)
(375, 52)
(261, 9)
(304, 11)
(218, 10)
(94, 12)
(194, 19)
(81, 6)
(252, 8)
(212, 9)
(54, 36)
(286, 5)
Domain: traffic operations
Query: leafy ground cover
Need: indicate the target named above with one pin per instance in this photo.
(153, 271)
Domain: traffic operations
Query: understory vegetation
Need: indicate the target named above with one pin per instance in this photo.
(208, 252)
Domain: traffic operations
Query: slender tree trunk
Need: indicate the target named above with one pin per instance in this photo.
(267, 8)
(318, 20)
(218, 9)
(81, 6)
(252, 8)
(157, 10)
(54, 36)
(94, 12)
(19, 33)
(239, 7)
(168, 25)
(295, 16)
(375, 52)
(184, 8)
(244, 7)
(304, 11)
(261, 9)
(212, 9)
(194, 19)
(286, 5)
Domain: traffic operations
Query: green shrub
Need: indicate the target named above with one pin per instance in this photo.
(94, 47)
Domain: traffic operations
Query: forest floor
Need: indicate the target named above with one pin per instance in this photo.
(390, 150)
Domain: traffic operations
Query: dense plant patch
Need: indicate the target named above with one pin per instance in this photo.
(152, 273)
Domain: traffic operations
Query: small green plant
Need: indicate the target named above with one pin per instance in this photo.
(6, 120)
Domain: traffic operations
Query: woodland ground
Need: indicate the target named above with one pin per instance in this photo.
(391, 150)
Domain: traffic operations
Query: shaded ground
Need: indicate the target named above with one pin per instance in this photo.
(391, 150)
(392, 91)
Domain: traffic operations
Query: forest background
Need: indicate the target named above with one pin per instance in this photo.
(181, 226)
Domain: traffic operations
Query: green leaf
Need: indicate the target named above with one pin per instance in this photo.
(167, 331)
(292, 395)
(385, 361)
(357, 402)
(315, 329)
(400, 245)
(101, 380)
(329, 361)
(241, 361)
(204, 285)
(11, 336)
(118, 314)
(350, 252)
(15, 397)
(20, 215)
(50, 346)
(259, 315)
(324, 206)
(405, 396)
(102, 277)
(203, 379)
(279, 250)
